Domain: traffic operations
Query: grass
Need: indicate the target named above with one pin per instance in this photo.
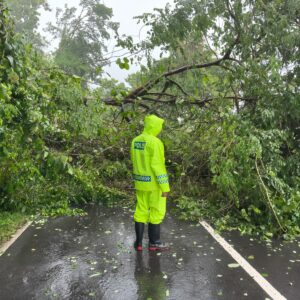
(10, 222)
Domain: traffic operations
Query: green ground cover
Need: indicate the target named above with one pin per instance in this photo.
(9, 223)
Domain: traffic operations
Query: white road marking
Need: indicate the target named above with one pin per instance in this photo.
(6, 245)
(260, 280)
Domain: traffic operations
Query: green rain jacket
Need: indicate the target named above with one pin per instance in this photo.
(147, 155)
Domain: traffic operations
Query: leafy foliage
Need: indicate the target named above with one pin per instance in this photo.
(82, 37)
(26, 19)
(229, 88)
(227, 82)
(9, 223)
(46, 152)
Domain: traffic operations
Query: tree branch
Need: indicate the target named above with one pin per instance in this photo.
(179, 86)
(114, 102)
(142, 90)
(160, 94)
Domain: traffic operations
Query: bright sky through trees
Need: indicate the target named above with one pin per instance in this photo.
(124, 12)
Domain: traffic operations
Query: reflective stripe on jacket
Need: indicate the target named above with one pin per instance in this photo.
(147, 155)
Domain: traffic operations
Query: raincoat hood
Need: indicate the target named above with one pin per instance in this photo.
(153, 125)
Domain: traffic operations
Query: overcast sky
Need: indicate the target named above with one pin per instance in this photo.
(124, 11)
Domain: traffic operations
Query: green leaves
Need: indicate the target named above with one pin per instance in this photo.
(123, 64)
(60, 143)
(26, 19)
(5, 91)
(47, 129)
(82, 35)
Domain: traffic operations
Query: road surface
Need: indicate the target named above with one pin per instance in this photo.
(91, 257)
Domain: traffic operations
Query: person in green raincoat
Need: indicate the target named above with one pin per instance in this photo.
(151, 183)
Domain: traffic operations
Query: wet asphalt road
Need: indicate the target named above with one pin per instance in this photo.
(91, 257)
(278, 261)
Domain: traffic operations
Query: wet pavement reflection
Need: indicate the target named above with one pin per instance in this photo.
(91, 257)
(149, 277)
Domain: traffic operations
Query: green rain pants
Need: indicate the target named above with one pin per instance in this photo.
(150, 208)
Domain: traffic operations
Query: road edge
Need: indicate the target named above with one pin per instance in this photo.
(250, 270)
(4, 247)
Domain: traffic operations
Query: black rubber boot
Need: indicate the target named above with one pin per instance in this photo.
(139, 231)
(154, 238)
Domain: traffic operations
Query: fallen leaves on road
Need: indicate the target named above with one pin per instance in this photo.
(95, 275)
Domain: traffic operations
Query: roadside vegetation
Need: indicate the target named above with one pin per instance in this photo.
(227, 84)
(9, 223)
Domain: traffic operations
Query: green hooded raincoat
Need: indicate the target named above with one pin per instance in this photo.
(149, 172)
(147, 155)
